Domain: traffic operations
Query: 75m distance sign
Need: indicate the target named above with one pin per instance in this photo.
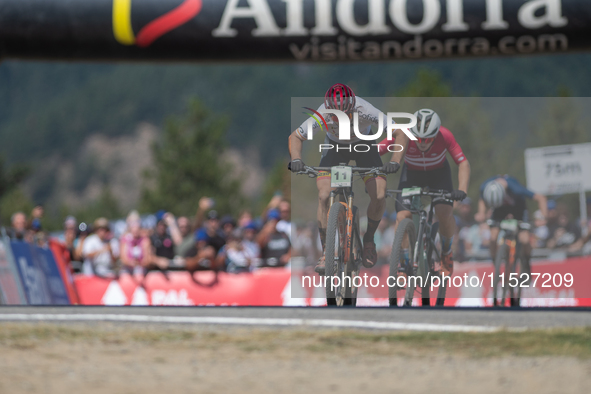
(559, 169)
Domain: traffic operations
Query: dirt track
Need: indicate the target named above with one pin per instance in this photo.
(128, 359)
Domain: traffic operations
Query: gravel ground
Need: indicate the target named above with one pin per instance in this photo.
(133, 358)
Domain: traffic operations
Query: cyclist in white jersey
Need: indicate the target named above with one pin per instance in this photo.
(342, 98)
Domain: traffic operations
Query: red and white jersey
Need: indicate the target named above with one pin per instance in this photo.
(368, 116)
(432, 158)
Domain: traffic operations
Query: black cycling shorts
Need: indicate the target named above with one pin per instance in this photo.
(438, 179)
(362, 159)
(519, 211)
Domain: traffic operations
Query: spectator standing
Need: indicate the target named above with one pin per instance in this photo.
(211, 233)
(249, 240)
(135, 246)
(275, 244)
(18, 222)
(541, 232)
(100, 250)
(565, 234)
(235, 256)
(187, 237)
(244, 219)
(83, 232)
(284, 224)
(162, 243)
(228, 224)
(552, 216)
(201, 256)
(70, 237)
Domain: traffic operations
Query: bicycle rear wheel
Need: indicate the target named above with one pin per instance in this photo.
(336, 240)
(405, 235)
(355, 261)
(433, 255)
(498, 285)
(518, 268)
(413, 279)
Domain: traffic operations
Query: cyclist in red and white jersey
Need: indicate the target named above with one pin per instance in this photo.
(341, 97)
(426, 165)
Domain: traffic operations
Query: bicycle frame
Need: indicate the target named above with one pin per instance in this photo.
(347, 194)
(347, 258)
(509, 237)
(424, 247)
(423, 221)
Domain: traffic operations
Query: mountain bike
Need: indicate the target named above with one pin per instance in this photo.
(511, 256)
(344, 249)
(414, 254)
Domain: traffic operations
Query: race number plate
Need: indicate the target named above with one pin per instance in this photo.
(411, 191)
(509, 225)
(340, 176)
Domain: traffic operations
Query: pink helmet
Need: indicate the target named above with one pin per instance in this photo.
(340, 96)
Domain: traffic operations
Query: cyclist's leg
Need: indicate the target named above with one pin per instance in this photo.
(447, 230)
(440, 179)
(524, 238)
(323, 185)
(498, 215)
(329, 158)
(492, 246)
(401, 206)
(376, 188)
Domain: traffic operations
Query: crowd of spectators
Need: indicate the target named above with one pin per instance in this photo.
(209, 241)
(159, 242)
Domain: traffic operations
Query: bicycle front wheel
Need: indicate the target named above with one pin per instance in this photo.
(336, 241)
(498, 284)
(401, 258)
(354, 263)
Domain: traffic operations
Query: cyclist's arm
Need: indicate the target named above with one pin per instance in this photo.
(463, 176)
(295, 145)
(401, 139)
(542, 203)
(480, 216)
(384, 144)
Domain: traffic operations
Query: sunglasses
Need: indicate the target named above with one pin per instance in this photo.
(425, 140)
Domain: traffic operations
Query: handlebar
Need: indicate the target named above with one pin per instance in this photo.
(436, 193)
(497, 223)
(313, 171)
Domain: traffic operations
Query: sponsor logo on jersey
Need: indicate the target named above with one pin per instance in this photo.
(344, 125)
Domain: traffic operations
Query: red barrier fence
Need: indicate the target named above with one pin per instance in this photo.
(273, 287)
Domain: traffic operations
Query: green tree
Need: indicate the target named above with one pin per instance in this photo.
(11, 177)
(427, 83)
(105, 206)
(189, 164)
(560, 123)
(14, 201)
(12, 198)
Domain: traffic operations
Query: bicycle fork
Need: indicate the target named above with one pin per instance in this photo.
(348, 235)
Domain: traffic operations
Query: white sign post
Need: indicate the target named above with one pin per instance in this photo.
(562, 169)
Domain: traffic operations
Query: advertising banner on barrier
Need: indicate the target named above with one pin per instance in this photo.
(11, 289)
(41, 278)
(62, 261)
(273, 287)
(261, 288)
